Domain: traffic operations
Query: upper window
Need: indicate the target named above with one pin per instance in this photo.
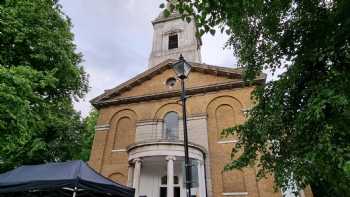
(173, 41)
(171, 125)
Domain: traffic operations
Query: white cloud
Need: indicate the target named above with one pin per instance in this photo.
(213, 51)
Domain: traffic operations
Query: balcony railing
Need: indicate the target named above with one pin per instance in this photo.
(157, 136)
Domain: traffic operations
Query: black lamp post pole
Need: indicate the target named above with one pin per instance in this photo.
(187, 160)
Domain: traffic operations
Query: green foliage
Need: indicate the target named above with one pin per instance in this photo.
(19, 119)
(299, 128)
(37, 34)
(89, 124)
(39, 77)
(347, 168)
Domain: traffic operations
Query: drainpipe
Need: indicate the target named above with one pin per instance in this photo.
(205, 175)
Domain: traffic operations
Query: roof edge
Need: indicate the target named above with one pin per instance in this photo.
(175, 93)
(149, 73)
(108, 92)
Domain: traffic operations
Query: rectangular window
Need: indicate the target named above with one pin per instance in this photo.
(173, 41)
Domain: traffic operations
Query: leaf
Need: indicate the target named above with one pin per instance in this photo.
(206, 28)
(212, 32)
(222, 29)
(166, 13)
(188, 19)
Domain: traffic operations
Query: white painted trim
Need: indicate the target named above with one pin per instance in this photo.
(158, 149)
(119, 150)
(227, 141)
(234, 193)
(102, 127)
(197, 117)
(144, 123)
(173, 30)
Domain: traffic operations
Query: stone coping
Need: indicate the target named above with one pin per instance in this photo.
(165, 142)
(233, 73)
(169, 94)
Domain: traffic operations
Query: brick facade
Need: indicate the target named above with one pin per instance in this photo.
(120, 125)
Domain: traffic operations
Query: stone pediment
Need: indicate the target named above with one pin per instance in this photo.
(151, 84)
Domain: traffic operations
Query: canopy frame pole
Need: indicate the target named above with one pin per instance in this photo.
(75, 191)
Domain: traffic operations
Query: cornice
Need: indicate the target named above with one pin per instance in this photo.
(232, 73)
(160, 20)
(164, 142)
(148, 74)
(138, 79)
(176, 93)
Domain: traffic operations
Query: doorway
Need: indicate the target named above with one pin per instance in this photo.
(163, 187)
(163, 191)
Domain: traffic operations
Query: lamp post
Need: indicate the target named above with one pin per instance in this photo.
(182, 69)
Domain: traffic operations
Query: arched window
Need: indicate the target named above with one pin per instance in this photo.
(171, 125)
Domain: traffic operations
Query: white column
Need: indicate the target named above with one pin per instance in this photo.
(170, 176)
(136, 178)
(201, 179)
(130, 175)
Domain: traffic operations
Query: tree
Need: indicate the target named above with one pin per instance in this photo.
(40, 75)
(89, 124)
(299, 128)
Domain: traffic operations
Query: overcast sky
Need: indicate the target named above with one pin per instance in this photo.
(115, 38)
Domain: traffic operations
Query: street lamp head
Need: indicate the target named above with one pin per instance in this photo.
(182, 68)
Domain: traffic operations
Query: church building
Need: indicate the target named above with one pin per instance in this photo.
(139, 133)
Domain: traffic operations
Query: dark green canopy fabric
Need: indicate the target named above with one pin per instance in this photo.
(65, 176)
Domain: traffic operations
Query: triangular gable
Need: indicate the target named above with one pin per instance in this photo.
(146, 75)
(139, 79)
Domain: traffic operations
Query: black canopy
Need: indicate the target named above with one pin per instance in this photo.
(72, 176)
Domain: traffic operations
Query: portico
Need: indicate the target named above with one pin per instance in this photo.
(157, 169)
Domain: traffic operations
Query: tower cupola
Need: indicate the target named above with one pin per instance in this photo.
(173, 36)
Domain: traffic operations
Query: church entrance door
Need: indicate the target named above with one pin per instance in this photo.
(163, 191)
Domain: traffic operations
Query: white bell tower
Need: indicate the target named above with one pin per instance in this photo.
(173, 36)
